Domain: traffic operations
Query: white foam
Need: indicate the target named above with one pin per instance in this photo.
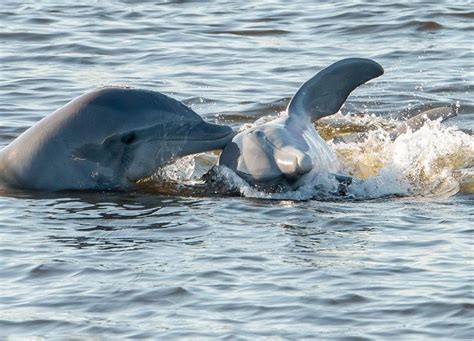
(424, 162)
(432, 161)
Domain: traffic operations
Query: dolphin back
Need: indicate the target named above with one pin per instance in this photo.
(326, 92)
(416, 122)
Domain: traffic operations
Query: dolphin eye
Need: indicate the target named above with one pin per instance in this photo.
(128, 138)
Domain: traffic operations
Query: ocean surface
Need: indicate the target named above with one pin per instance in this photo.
(391, 260)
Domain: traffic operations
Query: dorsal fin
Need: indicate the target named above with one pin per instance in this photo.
(326, 92)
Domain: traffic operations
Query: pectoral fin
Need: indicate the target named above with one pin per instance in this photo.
(326, 92)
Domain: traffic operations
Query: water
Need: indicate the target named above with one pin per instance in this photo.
(393, 260)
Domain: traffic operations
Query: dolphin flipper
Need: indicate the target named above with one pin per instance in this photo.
(326, 92)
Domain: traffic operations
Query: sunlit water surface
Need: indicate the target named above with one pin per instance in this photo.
(391, 260)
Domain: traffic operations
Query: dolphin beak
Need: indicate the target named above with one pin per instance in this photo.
(207, 136)
(211, 132)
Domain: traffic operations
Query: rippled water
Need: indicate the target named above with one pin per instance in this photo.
(394, 260)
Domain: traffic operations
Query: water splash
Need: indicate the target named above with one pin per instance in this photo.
(427, 162)
(435, 160)
(228, 181)
(187, 168)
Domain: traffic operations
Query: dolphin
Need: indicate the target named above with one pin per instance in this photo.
(284, 154)
(106, 139)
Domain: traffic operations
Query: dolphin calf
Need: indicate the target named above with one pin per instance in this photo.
(284, 154)
(106, 139)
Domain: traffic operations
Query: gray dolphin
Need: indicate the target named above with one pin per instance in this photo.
(283, 154)
(106, 139)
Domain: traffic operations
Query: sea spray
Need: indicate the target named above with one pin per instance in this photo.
(436, 160)
(424, 162)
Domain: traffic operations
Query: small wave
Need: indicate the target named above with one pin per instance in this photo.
(29, 36)
(42, 20)
(427, 25)
(467, 14)
(393, 27)
(251, 33)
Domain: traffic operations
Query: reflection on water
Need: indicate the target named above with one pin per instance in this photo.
(187, 264)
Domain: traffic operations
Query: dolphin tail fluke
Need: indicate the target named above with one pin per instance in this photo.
(326, 92)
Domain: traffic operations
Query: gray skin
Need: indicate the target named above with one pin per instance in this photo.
(106, 139)
(287, 153)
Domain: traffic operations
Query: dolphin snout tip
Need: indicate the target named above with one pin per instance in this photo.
(224, 131)
(216, 134)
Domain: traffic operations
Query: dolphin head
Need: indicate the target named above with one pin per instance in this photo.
(147, 149)
(269, 157)
(144, 130)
